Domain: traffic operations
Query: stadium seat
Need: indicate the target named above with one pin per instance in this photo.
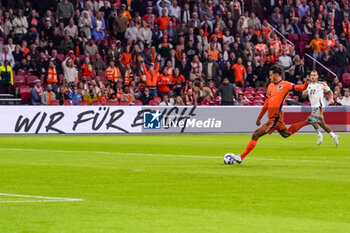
(101, 73)
(82, 102)
(261, 89)
(22, 72)
(293, 37)
(60, 57)
(96, 102)
(111, 102)
(68, 102)
(19, 80)
(249, 89)
(153, 102)
(55, 102)
(24, 91)
(157, 98)
(346, 80)
(138, 102)
(296, 98)
(238, 89)
(218, 100)
(304, 37)
(124, 103)
(30, 80)
(208, 102)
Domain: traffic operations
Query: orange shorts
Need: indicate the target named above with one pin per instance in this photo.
(273, 124)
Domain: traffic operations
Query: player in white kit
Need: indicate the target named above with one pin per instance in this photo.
(316, 91)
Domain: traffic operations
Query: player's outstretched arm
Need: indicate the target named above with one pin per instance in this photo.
(302, 87)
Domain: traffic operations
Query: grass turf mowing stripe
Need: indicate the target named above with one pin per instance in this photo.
(169, 155)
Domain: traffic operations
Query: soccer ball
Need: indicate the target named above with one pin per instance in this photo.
(228, 159)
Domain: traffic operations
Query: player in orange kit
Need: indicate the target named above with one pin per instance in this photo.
(277, 91)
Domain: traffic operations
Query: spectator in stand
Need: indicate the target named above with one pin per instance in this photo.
(6, 77)
(146, 96)
(37, 92)
(64, 11)
(165, 101)
(341, 59)
(48, 95)
(70, 72)
(211, 70)
(317, 45)
(91, 48)
(51, 76)
(6, 55)
(85, 24)
(99, 64)
(72, 29)
(91, 94)
(127, 96)
(87, 68)
(164, 82)
(345, 101)
(227, 92)
(20, 25)
(75, 96)
(240, 72)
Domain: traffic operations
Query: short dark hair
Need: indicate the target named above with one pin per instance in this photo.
(276, 69)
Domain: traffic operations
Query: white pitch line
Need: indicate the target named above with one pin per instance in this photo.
(179, 156)
(32, 201)
(48, 199)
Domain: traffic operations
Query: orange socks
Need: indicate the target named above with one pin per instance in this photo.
(295, 127)
(249, 148)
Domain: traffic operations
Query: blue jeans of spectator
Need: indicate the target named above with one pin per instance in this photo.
(153, 91)
(317, 56)
(340, 71)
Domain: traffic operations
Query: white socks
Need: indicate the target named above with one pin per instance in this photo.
(332, 134)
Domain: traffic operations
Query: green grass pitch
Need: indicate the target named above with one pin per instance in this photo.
(173, 183)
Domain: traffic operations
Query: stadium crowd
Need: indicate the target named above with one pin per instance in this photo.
(169, 52)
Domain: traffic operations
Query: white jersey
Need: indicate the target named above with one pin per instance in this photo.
(315, 92)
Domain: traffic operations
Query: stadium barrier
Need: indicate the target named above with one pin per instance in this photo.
(151, 119)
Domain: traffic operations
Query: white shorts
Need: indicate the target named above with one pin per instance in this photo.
(317, 112)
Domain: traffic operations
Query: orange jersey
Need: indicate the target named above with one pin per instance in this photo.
(317, 44)
(276, 95)
(239, 72)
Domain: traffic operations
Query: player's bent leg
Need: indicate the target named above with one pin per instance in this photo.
(251, 145)
(296, 127)
(329, 131)
(312, 119)
(319, 134)
(284, 133)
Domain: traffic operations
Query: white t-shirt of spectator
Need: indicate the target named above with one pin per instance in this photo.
(285, 61)
(175, 11)
(345, 101)
(70, 74)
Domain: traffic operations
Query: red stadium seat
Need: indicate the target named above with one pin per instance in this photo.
(96, 102)
(31, 79)
(82, 102)
(138, 102)
(346, 80)
(22, 72)
(55, 102)
(19, 80)
(157, 98)
(24, 91)
(153, 102)
(261, 89)
(124, 103)
(293, 37)
(111, 102)
(101, 73)
(60, 57)
(68, 102)
(250, 89)
(305, 37)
